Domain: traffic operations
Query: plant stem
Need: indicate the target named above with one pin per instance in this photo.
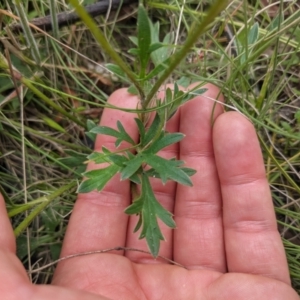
(48, 199)
(100, 38)
(31, 42)
(29, 84)
(196, 31)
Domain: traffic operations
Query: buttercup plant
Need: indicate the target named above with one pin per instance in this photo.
(141, 161)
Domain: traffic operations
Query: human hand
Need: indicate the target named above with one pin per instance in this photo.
(226, 232)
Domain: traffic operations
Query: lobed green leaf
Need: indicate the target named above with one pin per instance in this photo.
(152, 173)
(168, 169)
(152, 131)
(149, 209)
(165, 141)
(106, 131)
(142, 130)
(97, 179)
(121, 135)
(136, 207)
(131, 167)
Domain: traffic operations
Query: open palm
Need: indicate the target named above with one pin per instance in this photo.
(226, 235)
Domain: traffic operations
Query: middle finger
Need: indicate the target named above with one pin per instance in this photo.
(198, 240)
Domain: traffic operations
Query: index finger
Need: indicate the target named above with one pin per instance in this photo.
(98, 220)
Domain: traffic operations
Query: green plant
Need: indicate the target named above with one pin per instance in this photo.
(145, 162)
(257, 72)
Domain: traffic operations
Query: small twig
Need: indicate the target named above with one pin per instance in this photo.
(69, 18)
(100, 252)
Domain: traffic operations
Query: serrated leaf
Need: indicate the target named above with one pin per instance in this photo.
(168, 169)
(97, 179)
(106, 151)
(164, 215)
(180, 98)
(124, 135)
(106, 131)
(136, 207)
(152, 173)
(188, 171)
(166, 140)
(118, 143)
(153, 236)
(176, 98)
(121, 135)
(138, 224)
(130, 155)
(151, 132)
(151, 210)
(135, 179)
(132, 166)
(141, 129)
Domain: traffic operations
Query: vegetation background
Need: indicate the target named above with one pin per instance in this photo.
(53, 88)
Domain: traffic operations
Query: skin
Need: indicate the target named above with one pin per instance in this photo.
(226, 232)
